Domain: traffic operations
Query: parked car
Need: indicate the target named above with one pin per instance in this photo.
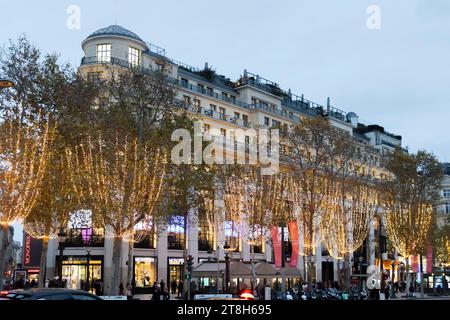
(50, 294)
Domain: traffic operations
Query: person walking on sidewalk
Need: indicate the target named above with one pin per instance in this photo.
(129, 292)
(180, 288)
(173, 286)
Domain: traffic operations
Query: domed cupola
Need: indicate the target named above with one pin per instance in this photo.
(114, 31)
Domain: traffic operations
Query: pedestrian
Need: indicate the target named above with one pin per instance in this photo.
(129, 292)
(133, 285)
(121, 290)
(166, 295)
(156, 293)
(173, 286)
(411, 290)
(387, 291)
(162, 285)
(180, 288)
(96, 287)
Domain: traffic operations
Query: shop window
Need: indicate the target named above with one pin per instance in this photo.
(205, 234)
(145, 269)
(232, 235)
(175, 233)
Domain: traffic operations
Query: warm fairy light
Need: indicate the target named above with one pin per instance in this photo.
(24, 156)
(408, 226)
(345, 224)
(310, 204)
(122, 182)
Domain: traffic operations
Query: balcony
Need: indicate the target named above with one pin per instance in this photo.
(212, 94)
(80, 238)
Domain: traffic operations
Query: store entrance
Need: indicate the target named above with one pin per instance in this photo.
(75, 272)
(175, 270)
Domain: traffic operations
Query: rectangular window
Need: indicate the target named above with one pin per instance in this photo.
(266, 121)
(133, 57)
(276, 123)
(206, 128)
(237, 115)
(145, 271)
(175, 233)
(104, 52)
(446, 193)
(223, 132)
(184, 83)
(197, 104)
(232, 236)
(254, 102)
(201, 88)
(213, 107)
(222, 110)
(245, 120)
(447, 208)
(210, 91)
(205, 233)
(187, 100)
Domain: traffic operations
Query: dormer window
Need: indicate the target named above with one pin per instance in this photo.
(104, 52)
(133, 56)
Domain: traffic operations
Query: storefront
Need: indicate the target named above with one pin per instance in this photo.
(145, 273)
(175, 270)
(75, 271)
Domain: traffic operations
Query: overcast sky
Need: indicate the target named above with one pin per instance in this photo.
(397, 76)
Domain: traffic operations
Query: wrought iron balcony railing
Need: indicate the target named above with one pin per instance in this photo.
(79, 238)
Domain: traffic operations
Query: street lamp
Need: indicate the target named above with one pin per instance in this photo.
(6, 83)
(226, 248)
(62, 236)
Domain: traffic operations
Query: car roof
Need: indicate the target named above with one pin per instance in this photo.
(36, 292)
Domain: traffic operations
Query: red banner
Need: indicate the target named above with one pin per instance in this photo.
(293, 230)
(429, 259)
(276, 246)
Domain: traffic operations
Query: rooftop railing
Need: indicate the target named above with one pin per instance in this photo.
(156, 49)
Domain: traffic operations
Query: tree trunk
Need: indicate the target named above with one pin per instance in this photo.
(422, 293)
(3, 248)
(408, 276)
(130, 261)
(43, 263)
(346, 271)
(253, 269)
(116, 276)
(310, 270)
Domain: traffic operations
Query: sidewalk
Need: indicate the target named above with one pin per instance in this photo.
(149, 297)
(417, 296)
